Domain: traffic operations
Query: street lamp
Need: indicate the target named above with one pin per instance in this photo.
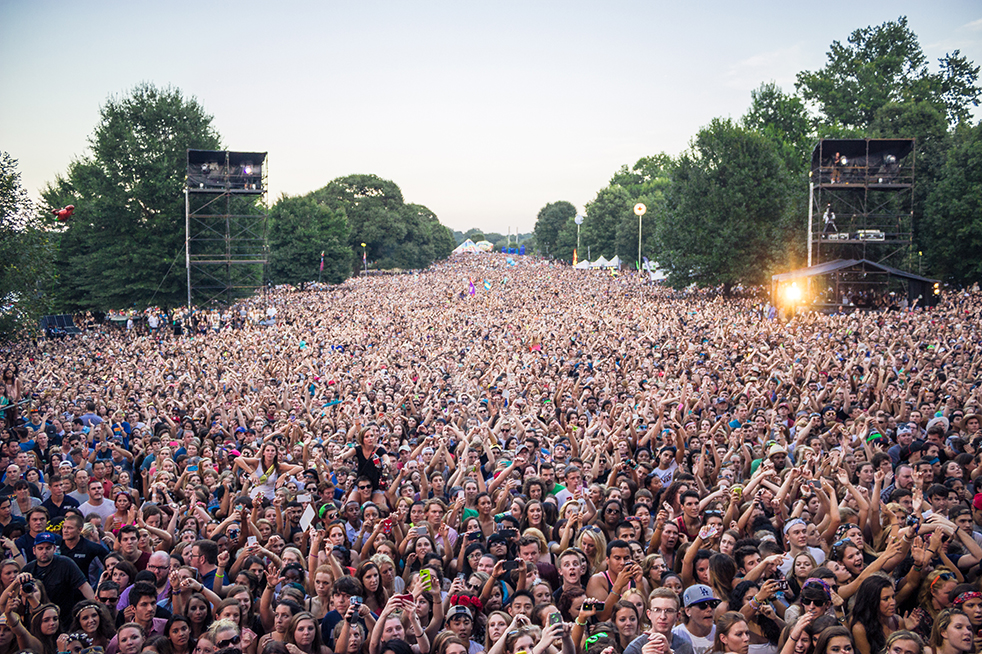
(639, 209)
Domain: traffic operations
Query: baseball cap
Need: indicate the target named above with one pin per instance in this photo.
(977, 501)
(45, 537)
(698, 593)
(459, 611)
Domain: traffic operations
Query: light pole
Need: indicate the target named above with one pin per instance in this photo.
(579, 221)
(364, 256)
(639, 209)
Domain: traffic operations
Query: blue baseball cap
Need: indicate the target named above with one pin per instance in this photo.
(45, 537)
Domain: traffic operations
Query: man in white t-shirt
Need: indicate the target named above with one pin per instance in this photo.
(669, 459)
(796, 534)
(698, 626)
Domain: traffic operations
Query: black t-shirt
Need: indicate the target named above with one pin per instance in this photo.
(84, 553)
(62, 579)
(55, 511)
(370, 467)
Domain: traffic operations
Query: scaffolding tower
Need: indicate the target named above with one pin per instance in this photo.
(226, 215)
(861, 201)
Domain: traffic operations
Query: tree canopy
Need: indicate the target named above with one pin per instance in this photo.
(396, 234)
(300, 230)
(128, 227)
(726, 220)
(25, 254)
(885, 64)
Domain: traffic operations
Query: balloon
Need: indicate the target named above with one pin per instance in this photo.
(64, 214)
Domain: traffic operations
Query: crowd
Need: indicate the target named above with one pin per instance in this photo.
(501, 459)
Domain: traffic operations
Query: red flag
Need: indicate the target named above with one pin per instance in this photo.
(322, 261)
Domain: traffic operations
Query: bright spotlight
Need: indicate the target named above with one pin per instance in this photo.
(793, 294)
(248, 170)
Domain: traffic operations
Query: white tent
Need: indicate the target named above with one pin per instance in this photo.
(614, 263)
(583, 265)
(466, 246)
(599, 263)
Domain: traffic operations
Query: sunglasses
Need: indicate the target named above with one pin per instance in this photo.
(946, 576)
(708, 604)
(234, 640)
(807, 602)
(595, 637)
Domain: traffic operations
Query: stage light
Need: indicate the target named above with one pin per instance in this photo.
(889, 158)
(937, 289)
(844, 161)
(793, 293)
(248, 170)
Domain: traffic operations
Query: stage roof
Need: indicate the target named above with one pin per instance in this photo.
(842, 264)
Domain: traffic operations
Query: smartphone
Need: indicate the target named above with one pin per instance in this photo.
(593, 606)
(474, 535)
(509, 533)
(192, 468)
(424, 576)
(782, 584)
(421, 531)
(303, 498)
(555, 618)
(510, 565)
(387, 526)
(251, 540)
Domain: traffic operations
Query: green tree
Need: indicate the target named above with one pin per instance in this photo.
(885, 64)
(551, 219)
(604, 214)
(299, 230)
(726, 218)
(25, 255)
(396, 234)
(953, 216)
(128, 226)
(784, 119)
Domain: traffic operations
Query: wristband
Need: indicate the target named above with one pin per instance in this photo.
(582, 624)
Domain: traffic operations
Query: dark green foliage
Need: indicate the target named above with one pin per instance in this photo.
(552, 219)
(299, 230)
(604, 217)
(885, 64)
(953, 216)
(726, 217)
(397, 235)
(128, 226)
(26, 251)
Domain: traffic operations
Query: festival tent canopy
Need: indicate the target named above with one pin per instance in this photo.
(583, 265)
(599, 263)
(484, 246)
(614, 263)
(466, 246)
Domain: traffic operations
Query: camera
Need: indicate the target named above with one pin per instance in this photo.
(28, 587)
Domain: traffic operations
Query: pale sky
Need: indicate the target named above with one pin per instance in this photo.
(482, 111)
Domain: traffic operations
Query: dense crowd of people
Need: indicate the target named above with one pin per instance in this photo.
(496, 458)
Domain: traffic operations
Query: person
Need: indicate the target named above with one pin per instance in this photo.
(732, 634)
(82, 551)
(96, 503)
(697, 625)
(952, 633)
(834, 640)
(829, 219)
(143, 606)
(662, 613)
(61, 578)
(874, 615)
(130, 637)
(58, 503)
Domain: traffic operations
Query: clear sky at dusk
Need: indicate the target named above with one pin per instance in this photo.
(482, 111)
